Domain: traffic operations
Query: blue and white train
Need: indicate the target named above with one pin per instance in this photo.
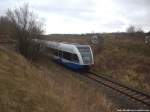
(72, 55)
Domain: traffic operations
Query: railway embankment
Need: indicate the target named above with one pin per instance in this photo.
(26, 86)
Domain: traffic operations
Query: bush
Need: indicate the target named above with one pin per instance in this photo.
(25, 28)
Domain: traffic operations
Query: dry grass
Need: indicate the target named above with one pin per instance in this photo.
(45, 88)
(21, 87)
(127, 61)
(124, 57)
(76, 94)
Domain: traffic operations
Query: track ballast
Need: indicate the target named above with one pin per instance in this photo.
(127, 91)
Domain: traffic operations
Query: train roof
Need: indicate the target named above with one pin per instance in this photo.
(65, 46)
(64, 43)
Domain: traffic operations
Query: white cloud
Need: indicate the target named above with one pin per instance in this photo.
(80, 16)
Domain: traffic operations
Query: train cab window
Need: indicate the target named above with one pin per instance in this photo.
(86, 54)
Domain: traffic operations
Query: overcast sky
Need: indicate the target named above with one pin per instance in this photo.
(86, 16)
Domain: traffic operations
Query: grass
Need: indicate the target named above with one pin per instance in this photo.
(124, 57)
(75, 93)
(45, 87)
(127, 61)
(21, 87)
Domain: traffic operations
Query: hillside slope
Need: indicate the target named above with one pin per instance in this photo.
(21, 87)
(126, 60)
(123, 57)
(25, 87)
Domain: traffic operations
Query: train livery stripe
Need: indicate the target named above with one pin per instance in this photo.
(70, 65)
(73, 65)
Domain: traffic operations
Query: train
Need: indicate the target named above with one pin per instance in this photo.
(72, 55)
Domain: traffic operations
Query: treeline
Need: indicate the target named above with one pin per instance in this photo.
(22, 25)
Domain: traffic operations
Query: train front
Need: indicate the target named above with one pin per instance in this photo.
(86, 56)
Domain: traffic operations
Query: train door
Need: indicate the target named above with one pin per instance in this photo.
(60, 53)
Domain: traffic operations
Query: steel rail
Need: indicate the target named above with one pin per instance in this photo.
(131, 93)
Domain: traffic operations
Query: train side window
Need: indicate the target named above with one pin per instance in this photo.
(60, 53)
(75, 58)
(56, 52)
(67, 55)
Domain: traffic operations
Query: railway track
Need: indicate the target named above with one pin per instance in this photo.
(127, 91)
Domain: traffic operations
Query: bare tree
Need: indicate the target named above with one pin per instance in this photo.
(131, 29)
(139, 30)
(148, 33)
(4, 25)
(26, 27)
